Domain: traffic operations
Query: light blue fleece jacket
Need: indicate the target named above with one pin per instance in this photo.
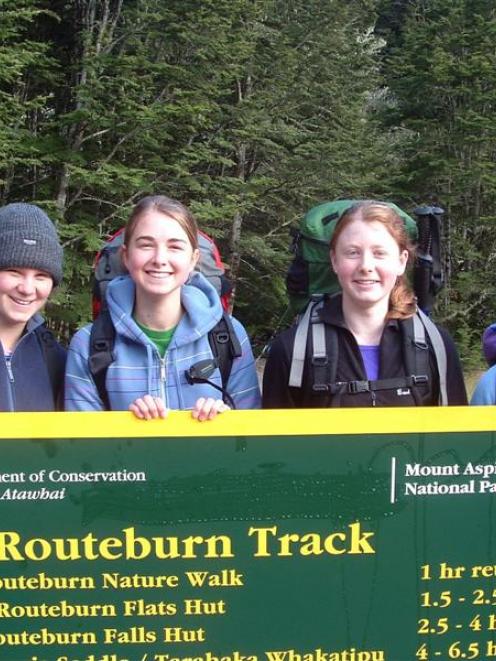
(485, 390)
(138, 369)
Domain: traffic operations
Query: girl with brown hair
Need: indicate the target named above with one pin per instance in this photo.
(163, 312)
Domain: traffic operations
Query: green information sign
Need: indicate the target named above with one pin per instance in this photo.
(261, 536)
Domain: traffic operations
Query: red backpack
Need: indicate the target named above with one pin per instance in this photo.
(108, 265)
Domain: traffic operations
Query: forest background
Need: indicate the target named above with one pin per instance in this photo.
(251, 112)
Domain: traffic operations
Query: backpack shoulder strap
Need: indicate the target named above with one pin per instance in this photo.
(415, 347)
(439, 353)
(300, 348)
(101, 354)
(225, 346)
(54, 357)
(325, 349)
(310, 316)
(325, 354)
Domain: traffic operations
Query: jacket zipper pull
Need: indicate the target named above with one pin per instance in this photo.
(372, 395)
(9, 368)
(163, 379)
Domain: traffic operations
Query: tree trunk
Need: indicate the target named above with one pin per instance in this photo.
(96, 38)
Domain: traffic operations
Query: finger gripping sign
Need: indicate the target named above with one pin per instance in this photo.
(340, 535)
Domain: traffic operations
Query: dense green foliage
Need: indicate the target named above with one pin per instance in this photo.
(251, 112)
(440, 71)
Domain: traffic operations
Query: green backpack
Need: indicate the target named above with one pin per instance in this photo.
(310, 272)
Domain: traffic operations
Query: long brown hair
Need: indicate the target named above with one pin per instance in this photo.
(168, 207)
(402, 301)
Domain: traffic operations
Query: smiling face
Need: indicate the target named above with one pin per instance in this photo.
(23, 292)
(159, 257)
(367, 261)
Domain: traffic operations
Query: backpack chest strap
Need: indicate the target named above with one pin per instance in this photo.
(396, 383)
(325, 354)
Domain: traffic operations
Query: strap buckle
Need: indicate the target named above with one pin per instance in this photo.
(355, 387)
(320, 363)
(101, 345)
(222, 337)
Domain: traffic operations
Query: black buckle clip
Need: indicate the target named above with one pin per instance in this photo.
(419, 379)
(355, 387)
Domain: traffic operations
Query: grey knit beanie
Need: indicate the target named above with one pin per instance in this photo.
(28, 239)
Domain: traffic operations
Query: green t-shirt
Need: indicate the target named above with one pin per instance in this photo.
(161, 339)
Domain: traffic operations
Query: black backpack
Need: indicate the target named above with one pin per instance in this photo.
(55, 358)
(428, 278)
(325, 357)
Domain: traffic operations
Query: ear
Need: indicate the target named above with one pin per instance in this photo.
(332, 258)
(403, 261)
(195, 258)
(123, 255)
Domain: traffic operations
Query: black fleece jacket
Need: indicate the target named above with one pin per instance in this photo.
(350, 367)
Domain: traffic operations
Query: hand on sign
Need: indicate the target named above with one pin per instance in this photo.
(208, 408)
(149, 408)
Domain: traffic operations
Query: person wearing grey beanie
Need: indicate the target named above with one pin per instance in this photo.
(31, 361)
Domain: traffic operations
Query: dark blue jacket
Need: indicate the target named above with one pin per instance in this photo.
(25, 383)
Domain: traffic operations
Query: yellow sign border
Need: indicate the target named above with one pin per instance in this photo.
(291, 422)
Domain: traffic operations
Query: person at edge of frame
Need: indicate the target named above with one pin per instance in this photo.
(369, 252)
(485, 390)
(31, 362)
(162, 312)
